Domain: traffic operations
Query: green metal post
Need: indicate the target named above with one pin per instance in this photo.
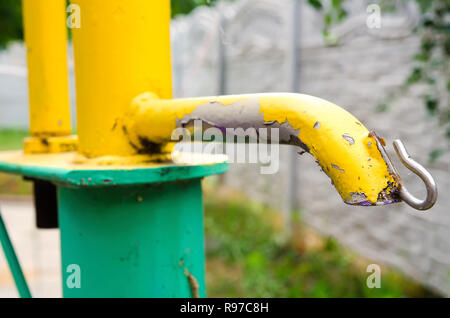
(13, 262)
(128, 231)
(133, 241)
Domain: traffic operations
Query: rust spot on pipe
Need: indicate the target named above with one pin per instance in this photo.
(148, 147)
(193, 284)
(44, 141)
(373, 135)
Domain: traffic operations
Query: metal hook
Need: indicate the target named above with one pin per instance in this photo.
(419, 170)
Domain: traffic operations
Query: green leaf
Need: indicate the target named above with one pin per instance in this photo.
(415, 76)
(337, 4)
(427, 44)
(10, 21)
(435, 154)
(382, 107)
(342, 15)
(186, 6)
(316, 4)
(431, 104)
(446, 45)
(424, 5)
(431, 81)
(327, 19)
(421, 57)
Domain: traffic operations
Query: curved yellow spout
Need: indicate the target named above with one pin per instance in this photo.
(345, 150)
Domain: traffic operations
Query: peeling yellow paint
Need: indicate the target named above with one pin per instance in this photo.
(327, 145)
(156, 118)
(343, 161)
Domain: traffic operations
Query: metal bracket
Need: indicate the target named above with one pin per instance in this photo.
(419, 170)
(415, 167)
(13, 262)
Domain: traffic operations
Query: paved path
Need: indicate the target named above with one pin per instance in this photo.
(38, 251)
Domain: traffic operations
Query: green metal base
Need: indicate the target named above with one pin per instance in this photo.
(60, 169)
(126, 231)
(137, 241)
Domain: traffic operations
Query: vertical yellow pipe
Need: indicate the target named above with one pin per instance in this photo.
(48, 85)
(121, 50)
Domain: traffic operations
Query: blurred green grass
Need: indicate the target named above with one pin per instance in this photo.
(12, 139)
(249, 256)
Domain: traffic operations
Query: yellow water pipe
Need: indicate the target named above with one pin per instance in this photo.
(121, 49)
(345, 150)
(48, 84)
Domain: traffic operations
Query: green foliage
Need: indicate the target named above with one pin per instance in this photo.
(316, 4)
(11, 16)
(186, 6)
(432, 61)
(415, 76)
(435, 154)
(10, 21)
(248, 257)
(333, 13)
(434, 54)
(11, 139)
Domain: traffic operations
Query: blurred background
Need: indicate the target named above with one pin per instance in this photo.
(288, 234)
